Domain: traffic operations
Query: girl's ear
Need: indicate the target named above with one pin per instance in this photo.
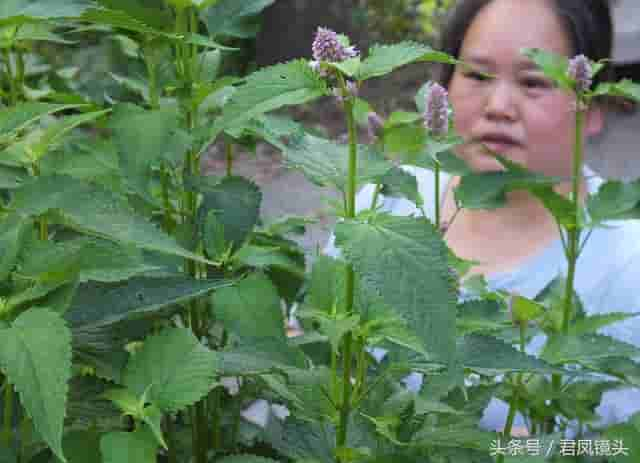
(594, 122)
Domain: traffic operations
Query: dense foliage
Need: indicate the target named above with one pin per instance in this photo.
(143, 306)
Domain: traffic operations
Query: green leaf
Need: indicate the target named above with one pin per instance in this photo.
(593, 323)
(35, 354)
(13, 119)
(625, 88)
(40, 32)
(262, 257)
(250, 309)
(525, 310)
(53, 134)
(325, 274)
(177, 368)
(486, 353)
(481, 316)
(19, 12)
(404, 260)
(259, 356)
(90, 258)
(151, 13)
(228, 17)
(585, 348)
(13, 229)
(614, 200)
(81, 447)
(487, 190)
(384, 59)
(246, 459)
(459, 437)
(326, 163)
(552, 65)
(118, 19)
(398, 183)
(271, 88)
(235, 204)
(101, 304)
(97, 211)
(12, 177)
(139, 446)
(144, 139)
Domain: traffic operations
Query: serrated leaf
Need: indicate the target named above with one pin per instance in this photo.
(227, 17)
(35, 354)
(585, 348)
(246, 459)
(404, 260)
(262, 257)
(12, 231)
(325, 274)
(120, 20)
(487, 353)
(20, 12)
(13, 119)
(235, 202)
(480, 316)
(89, 258)
(95, 210)
(150, 13)
(384, 59)
(177, 368)
(270, 88)
(398, 183)
(54, 133)
(146, 138)
(625, 88)
(326, 163)
(138, 446)
(593, 323)
(487, 190)
(259, 356)
(250, 309)
(525, 310)
(613, 200)
(101, 304)
(40, 32)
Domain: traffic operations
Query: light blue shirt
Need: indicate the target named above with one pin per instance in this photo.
(607, 277)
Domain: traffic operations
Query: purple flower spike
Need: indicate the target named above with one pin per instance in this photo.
(581, 71)
(375, 124)
(436, 115)
(327, 47)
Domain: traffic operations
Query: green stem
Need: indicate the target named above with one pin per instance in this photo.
(345, 408)
(216, 437)
(437, 194)
(154, 95)
(172, 455)
(573, 240)
(8, 413)
(229, 156)
(167, 221)
(13, 98)
(508, 426)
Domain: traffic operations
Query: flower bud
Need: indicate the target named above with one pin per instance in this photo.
(352, 91)
(436, 115)
(581, 72)
(327, 47)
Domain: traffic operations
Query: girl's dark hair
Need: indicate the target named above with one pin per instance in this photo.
(587, 23)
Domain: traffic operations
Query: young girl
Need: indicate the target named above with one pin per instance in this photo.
(520, 114)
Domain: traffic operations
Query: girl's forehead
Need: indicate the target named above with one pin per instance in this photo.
(503, 27)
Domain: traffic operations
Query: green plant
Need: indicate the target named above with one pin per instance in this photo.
(141, 303)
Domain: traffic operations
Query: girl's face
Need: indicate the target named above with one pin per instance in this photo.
(517, 112)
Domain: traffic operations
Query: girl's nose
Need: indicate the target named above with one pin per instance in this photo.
(500, 102)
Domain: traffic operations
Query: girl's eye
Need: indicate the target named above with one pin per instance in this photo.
(536, 83)
(475, 75)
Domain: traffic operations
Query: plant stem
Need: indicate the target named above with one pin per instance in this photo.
(171, 440)
(345, 408)
(437, 194)
(8, 413)
(573, 240)
(13, 98)
(229, 156)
